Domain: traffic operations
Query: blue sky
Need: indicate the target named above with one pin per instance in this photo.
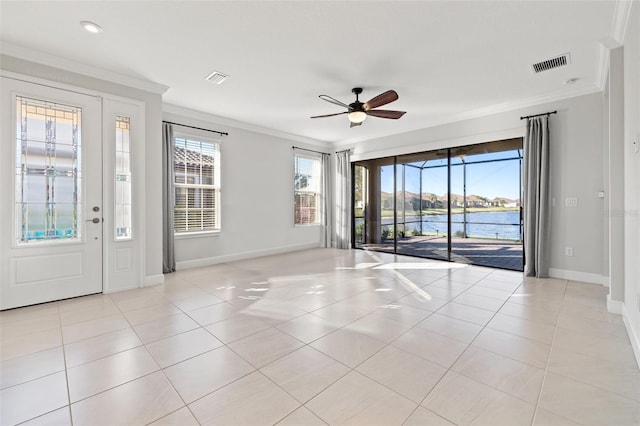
(491, 180)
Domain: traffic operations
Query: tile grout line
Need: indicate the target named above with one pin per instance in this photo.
(66, 370)
(161, 370)
(467, 348)
(429, 314)
(546, 367)
(68, 405)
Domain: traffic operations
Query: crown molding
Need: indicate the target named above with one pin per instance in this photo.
(44, 58)
(495, 109)
(558, 95)
(621, 15)
(477, 113)
(602, 66)
(222, 121)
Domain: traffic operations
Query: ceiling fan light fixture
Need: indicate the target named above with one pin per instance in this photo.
(357, 116)
(358, 111)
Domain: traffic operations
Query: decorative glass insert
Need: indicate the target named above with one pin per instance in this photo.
(123, 216)
(307, 190)
(197, 185)
(48, 171)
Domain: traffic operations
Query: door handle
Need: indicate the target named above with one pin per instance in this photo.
(94, 220)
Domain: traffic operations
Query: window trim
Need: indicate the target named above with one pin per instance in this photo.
(180, 134)
(196, 234)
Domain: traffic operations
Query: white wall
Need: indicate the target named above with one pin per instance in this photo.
(256, 196)
(153, 117)
(631, 309)
(257, 179)
(576, 171)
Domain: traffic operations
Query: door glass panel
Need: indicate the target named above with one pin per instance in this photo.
(360, 203)
(123, 218)
(487, 227)
(434, 183)
(48, 171)
(408, 207)
(387, 225)
(459, 200)
(400, 208)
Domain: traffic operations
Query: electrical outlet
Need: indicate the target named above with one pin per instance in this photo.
(568, 251)
(571, 202)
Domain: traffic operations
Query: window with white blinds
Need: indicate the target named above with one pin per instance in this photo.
(307, 192)
(196, 185)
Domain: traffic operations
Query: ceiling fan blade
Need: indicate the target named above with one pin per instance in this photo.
(381, 99)
(355, 124)
(386, 113)
(333, 101)
(330, 115)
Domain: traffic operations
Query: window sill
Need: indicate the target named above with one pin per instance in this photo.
(306, 225)
(189, 235)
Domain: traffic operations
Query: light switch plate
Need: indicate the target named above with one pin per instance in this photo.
(571, 202)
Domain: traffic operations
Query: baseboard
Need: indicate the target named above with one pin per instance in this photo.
(585, 277)
(633, 334)
(117, 290)
(207, 261)
(150, 280)
(614, 306)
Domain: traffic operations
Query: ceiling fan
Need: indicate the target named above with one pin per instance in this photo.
(358, 111)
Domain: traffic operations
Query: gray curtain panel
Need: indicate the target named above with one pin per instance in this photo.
(536, 197)
(327, 219)
(343, 200)
(168, 250)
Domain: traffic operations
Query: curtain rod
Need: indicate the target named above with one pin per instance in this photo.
(310, 150)
(197, 128)
(538, 115)
(344, 150)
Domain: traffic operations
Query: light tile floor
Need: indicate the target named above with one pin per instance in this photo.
(324, 337)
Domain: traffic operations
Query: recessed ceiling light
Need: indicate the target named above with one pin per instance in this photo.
(91, 27)
(570, 81)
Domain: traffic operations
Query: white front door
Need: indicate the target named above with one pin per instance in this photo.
(51, 191)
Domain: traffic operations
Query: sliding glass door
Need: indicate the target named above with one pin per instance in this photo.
(459, 204)
(487, 225)
(424, 209)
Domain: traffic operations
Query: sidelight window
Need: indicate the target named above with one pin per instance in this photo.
(123, 216)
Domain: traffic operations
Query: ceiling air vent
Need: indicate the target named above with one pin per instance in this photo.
(217, 77)
(558, 61)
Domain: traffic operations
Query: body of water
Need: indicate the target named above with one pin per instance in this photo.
(500, 225)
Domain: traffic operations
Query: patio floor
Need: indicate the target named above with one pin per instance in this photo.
(478, 251)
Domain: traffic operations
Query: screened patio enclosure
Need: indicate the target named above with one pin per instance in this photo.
(457, 204)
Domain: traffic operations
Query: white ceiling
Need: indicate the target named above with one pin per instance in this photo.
(446, 59)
